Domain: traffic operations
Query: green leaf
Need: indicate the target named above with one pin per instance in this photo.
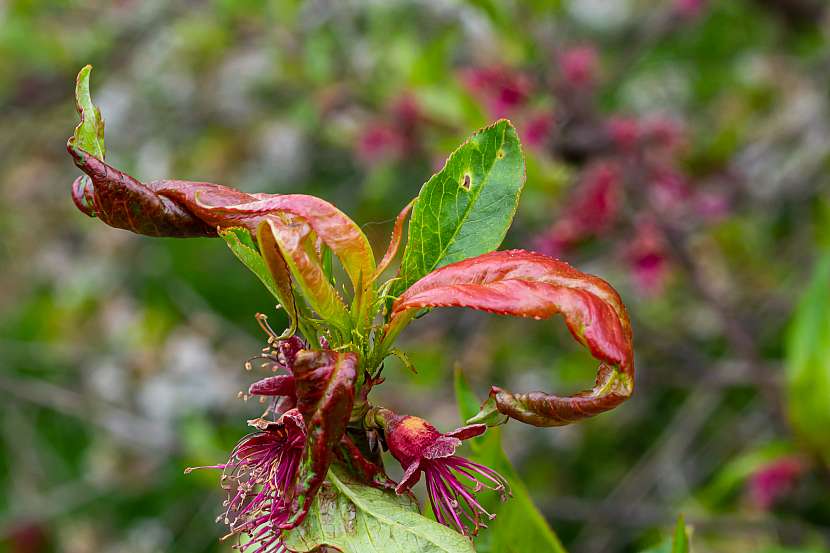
(89, 134)
(678, 543)
(465, 209)
(808, 363)
(355, 518)
(519, 526)
(241, 243)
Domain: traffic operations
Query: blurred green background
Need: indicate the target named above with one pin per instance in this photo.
(678, 149)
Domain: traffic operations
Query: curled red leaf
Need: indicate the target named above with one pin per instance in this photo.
(527, 284)
(324, 383)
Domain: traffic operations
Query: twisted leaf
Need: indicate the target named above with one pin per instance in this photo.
(526, 284)
(324, 382)
(330, 224)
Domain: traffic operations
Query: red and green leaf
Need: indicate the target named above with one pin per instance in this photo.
(331, 225)
(297, 246)
(394, 242)
(324, 383)
(526, 284)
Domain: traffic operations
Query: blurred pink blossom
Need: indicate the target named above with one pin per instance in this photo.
(500, 89)
(689, 9)
(648, 258)
(378, 141)
(624, 132)
(592, 209)
(664, 133)
(711, 205)
(392, 135)
(669, 191)
(579, 66)
(536, 130)
(773, 481)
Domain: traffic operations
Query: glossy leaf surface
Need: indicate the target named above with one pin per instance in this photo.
(527, 284)
(466, 208)
(324, 382)
(355, 518)
(331, 225)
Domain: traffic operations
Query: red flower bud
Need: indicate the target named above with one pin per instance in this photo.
(452, 481)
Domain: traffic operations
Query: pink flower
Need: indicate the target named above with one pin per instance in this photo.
(259, 477)
(669, 192)
(536, 130)
(624, 132)
(689, 9)
(394, 134)
(663, 133)
(502, 90)
(579, 66)
(773, 481)
(452, 481)
(648, 259)
(592, 209)
(379, 141)
(711, 205)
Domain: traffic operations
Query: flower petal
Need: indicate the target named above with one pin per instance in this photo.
(410, 477)
(443, 446)
(467, 432)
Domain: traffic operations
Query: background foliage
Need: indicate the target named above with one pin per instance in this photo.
(677, 148)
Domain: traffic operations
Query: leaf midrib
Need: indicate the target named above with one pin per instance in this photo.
(467, 211)
(359, 503)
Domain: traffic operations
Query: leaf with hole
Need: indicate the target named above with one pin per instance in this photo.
(465, 209)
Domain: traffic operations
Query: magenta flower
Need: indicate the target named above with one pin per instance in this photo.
(648, 258)
(452, 481)
(500, 89)
(579, 66)
(625, 132)
(536, 129)
(774, 480)
(259, 477)
(592, 209)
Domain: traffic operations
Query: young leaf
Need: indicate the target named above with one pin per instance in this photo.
(526, 284)
(334, 228)
(278, 270)
(677, 543)
(324, 382)
(269, 266)
(297, 248)
(465, 209)
(518, 526)
(680, 542)
(808, 363)
(394, 242)
(184, 209)
(89, 134)
(355, 518)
